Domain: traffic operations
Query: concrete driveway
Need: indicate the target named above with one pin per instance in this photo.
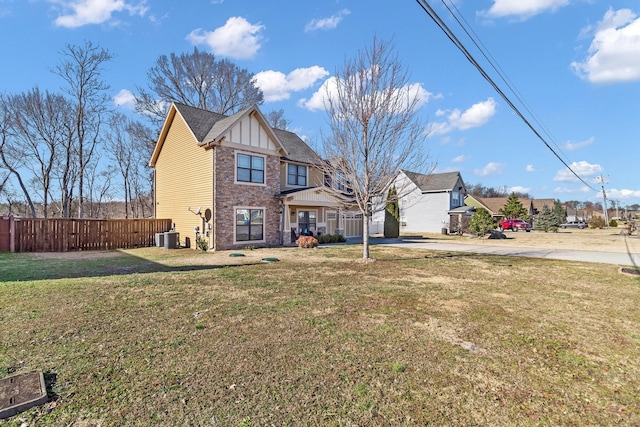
(617, 258)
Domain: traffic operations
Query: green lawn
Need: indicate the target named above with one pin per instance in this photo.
(156, 337)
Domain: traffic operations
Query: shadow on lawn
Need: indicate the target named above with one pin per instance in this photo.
(19, 267)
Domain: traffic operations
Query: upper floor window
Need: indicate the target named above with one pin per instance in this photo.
(297, 175)
(455, 199)
(337, 181)
(340, 179)
(250, 168)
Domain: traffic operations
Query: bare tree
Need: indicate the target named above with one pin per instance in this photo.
(142, 175)
(277, 119)
(34, 128)
(199, 80)
(81, 70)
(488, 192)
(99, 187)
(5, 173)
(374, 128)
(128, 146)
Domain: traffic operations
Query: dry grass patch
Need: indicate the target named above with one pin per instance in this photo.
(154, 337)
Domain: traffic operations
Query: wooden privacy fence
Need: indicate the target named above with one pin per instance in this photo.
(68, 234)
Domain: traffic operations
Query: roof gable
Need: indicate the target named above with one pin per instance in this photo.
(314, 194)
(435, 182)
(199, 121)
(210, 128)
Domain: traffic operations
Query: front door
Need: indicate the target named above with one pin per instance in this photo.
(307, 222)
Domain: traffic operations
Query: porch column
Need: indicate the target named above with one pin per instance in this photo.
(286, 235)
(339, 222)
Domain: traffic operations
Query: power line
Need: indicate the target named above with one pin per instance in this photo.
(424, 4)
(458, 16)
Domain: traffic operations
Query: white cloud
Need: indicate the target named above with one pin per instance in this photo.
(566, 190)
(576, 145)
(624, 194)
(522, 9)
(461, 158)
(327, 23)
(330, 88)
(530, 168)
(491, 168)
(237, 38)
(124, 98)
(85, 12)
(317, 100)
(583, 169)
(519, 189)
(614, 53)
(277, 86)
(476, 115)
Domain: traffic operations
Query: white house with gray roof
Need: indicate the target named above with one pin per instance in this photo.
(425, 201)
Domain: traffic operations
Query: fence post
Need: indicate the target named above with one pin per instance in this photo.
(12, 234)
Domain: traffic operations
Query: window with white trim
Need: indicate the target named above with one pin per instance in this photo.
(250, 168)
(296, 175)
(249, 224)
(340, 179)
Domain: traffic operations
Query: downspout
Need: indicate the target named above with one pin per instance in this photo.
(155, 201)
(281, 209)
(214, 216)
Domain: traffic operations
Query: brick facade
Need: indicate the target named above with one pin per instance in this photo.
(228, 195)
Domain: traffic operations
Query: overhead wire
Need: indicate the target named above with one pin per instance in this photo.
(468, 29)
(424, 4)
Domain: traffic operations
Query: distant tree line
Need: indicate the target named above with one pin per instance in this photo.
(480, 190)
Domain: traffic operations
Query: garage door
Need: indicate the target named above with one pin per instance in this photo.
(352, 225)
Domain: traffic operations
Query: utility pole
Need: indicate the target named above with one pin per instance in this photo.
(604, 197)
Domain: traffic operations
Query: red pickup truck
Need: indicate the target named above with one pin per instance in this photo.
(514, 225)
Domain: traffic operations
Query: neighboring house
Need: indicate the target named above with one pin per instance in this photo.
(425, 201)
(236, 182)
(575, 215)
(494, 204)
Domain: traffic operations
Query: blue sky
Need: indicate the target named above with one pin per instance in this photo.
(576, 63)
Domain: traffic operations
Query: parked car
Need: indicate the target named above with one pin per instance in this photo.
(574, 224)
(514, 225)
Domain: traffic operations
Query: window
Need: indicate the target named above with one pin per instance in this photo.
(250, 169)
(339, 185)
(297, 175)
(337, 181)
(249, 225)
(455, 199)
(307, 222)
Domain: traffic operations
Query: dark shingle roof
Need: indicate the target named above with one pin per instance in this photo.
(207, 125)
(434, 182)
(199, 121)
(297, 149)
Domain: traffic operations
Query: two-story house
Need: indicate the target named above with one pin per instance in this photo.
(425, 201)
(236, 182)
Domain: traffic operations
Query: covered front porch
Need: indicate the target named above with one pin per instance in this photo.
(314, 212)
